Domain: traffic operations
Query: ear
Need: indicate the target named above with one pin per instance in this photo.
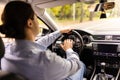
(29, 23)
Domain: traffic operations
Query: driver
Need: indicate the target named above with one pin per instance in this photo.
(31, 58)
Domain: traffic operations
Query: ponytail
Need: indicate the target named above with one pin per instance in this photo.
(8, 31)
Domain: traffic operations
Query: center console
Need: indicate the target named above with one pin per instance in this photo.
(107, 61)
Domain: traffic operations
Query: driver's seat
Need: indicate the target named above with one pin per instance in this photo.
(2, 50)
(4, 75)
(10, 76)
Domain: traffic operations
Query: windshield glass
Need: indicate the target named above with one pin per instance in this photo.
(81, 12)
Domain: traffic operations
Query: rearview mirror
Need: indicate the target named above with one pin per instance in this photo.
(104, 6)
(108, 5)
(101, 6)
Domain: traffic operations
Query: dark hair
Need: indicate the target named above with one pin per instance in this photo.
(14, 18)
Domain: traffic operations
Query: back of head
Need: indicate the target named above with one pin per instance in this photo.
(14, 18)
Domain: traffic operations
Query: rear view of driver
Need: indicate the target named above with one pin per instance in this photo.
(31, 58)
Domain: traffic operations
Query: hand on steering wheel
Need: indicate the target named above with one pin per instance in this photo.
(67, 44)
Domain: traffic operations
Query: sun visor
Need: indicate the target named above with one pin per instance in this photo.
(51, 3)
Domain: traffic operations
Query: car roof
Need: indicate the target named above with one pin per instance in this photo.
(51, 3)
(45, 3)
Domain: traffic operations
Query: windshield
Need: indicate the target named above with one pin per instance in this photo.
(73, 14)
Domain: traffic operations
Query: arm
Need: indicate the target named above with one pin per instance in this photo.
(59, 67)
(48, 39)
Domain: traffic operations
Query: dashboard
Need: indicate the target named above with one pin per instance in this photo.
(101, 44)
(101, 48)
(97, 47)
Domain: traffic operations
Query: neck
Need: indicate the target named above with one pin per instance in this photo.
(30, 36)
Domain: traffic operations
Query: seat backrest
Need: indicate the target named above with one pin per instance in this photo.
(4, 75)
(10, 76)
(2, 48)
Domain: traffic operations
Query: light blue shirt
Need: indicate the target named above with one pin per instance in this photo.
(35, 62)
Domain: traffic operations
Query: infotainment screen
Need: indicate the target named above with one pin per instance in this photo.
(107, 48)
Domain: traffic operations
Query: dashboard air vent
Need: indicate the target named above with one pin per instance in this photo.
(116, 37)
(99, 37)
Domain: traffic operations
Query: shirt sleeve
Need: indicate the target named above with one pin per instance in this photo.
(70, 53)
(60, 68)
(48, 39)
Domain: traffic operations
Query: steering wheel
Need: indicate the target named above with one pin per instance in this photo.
(77, 46)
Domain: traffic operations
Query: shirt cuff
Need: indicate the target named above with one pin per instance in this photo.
(69, 51)
(58, 32)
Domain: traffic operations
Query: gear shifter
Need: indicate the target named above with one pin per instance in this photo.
(102, 75)
(103, 67)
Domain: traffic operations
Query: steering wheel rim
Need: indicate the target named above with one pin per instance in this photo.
(80, 38)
